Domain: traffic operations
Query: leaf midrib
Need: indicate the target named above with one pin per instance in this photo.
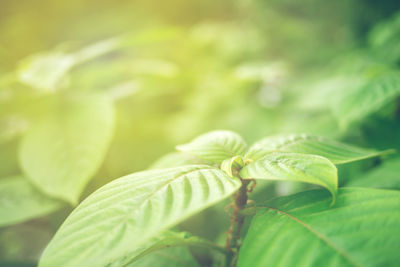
(123, 221)
(148, 197)
(156, 191)
(320, 236)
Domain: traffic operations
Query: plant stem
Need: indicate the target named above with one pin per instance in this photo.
(237, 218)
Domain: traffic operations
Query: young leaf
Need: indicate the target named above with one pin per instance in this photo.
(336, 152)
(368, 99)
(233, 163)
(302, 230)
(216, 146)
(20, 201)
(286, 166)
(63, 151)
(123, 215)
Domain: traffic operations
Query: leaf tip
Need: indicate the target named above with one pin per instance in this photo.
(334, 193)
(388, 152)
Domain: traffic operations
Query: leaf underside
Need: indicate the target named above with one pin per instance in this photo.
(123, 215)
(301, 230)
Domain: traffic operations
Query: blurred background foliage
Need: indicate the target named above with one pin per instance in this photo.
(126, 81)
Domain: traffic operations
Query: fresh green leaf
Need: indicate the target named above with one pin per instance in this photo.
(123, 215)
(365, 100)
(336, 152)
(286, 166)
(302, 230)
(385, 176)
(231, 164)
(214, 147)
(168, 257)
(63, 151)
(165, 240)
(20, 201)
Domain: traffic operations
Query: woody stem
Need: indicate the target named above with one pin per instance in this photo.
(237, 218)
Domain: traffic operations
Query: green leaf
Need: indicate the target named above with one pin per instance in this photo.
(286, 166)
(169, 257)
(214, 147)
(234, 163)
(357, 104)
(384, 39)
(64, 150)
(336, 152)
(165, 240)
(386, 176)
(123, 215)
(20, 201)
(302, 230)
